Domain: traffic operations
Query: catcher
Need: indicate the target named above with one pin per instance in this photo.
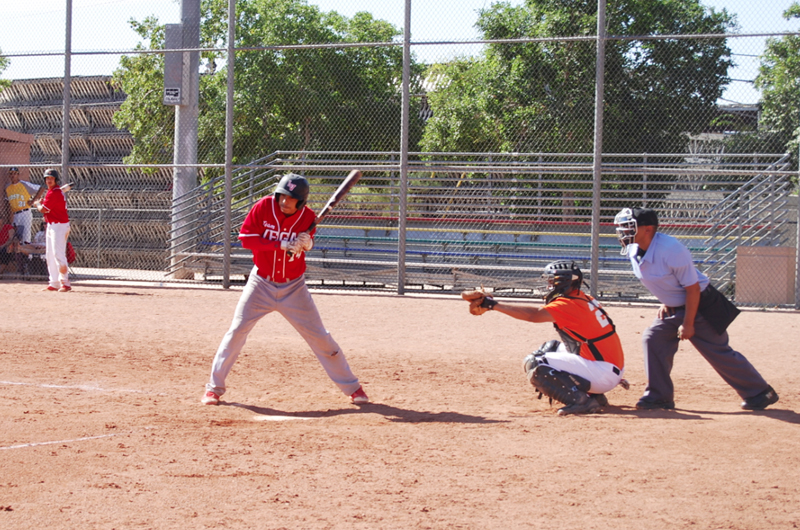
(587, 362)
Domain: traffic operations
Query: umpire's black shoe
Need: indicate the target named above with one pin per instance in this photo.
(650, 404)
(761, 401)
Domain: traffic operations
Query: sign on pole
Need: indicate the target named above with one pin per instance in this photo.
(173, 65)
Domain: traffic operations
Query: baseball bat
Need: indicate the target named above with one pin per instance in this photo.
(66, 187)
(343, 189)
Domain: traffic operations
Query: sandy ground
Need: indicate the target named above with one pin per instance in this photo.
(102, 426)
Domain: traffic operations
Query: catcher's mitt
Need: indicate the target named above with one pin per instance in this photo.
(479, 301)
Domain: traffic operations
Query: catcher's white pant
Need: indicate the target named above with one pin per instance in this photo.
(56, 236)
(600, 373)
(292, 300)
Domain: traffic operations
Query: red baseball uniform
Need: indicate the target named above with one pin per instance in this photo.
(262, 232)
(277, 285)
(55, 201)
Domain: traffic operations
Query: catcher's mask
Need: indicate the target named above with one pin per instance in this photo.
(628, 222)
(295, 186)
(562, 277)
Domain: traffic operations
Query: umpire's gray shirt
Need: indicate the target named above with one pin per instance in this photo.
(666, 269)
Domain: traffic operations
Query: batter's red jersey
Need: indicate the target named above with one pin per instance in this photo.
(55, 201)
(581, 317)
(262, 231)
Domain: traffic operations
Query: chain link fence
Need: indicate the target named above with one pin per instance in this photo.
(477, 131)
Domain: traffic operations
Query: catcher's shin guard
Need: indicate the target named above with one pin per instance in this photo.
(564, 387)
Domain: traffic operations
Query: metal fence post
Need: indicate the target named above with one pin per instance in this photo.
(99, 233)
(226, 266)
(644, 182)
(405, 121)
(797, 239)
(184, 177)
(597, 170)
(67, 79)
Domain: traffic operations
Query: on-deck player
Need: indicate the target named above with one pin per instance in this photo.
(54, 209)
(276, 224)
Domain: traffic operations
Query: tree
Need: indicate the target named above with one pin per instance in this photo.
(345, 98)
(779, 82)
(3, 65)
(539, 97)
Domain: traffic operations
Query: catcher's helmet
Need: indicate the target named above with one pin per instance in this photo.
(628, 222)
(561, 277)
(295, 186)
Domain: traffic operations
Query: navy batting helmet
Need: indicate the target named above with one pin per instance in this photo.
(562, 277)
(295, 186)
(52, 173)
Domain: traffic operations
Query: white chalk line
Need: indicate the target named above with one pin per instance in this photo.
(86, 388)
(280, 418)
(85, 438)
(21, 446)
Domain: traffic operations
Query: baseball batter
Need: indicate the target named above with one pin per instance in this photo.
(277, 224)
(54, 210)
(20, 195)
(588, 362)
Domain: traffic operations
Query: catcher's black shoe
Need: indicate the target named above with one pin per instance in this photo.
(761, 401)
(602, 400)
(651, 404)
(590, 406)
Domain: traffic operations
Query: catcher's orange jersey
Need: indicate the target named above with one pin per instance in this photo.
(581, 317)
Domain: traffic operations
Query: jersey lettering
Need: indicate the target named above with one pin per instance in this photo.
(276, 235)
(599, 314)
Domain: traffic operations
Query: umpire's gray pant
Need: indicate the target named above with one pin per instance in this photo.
(660, 342)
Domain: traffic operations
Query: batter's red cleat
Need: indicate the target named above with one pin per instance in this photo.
(50, 288)
(210, 399)
(359, 397)
(65, 289)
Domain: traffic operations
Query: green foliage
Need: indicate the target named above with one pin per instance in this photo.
(141, 77)
(779, 82)
(3, 65)
(285, 99)
(539, 97)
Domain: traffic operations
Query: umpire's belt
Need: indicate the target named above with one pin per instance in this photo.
(20, 211)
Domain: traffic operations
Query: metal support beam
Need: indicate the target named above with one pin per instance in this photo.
(184, 174)
(597, 170)
(226, 268)
(405, 121)
(67, 95)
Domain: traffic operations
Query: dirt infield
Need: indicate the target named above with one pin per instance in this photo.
(102, 426)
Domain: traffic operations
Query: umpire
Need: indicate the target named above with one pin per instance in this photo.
(692, 309)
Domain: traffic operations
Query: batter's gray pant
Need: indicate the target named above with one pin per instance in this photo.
(661, 342)
(292, 300)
